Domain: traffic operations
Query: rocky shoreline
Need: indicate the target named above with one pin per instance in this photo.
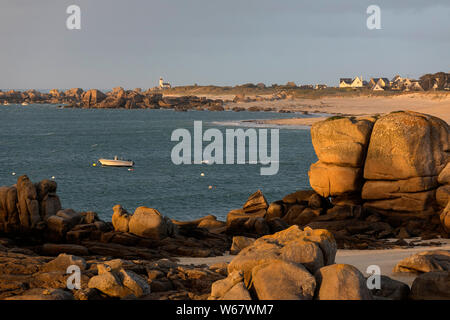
(377, 178)
(119, 98)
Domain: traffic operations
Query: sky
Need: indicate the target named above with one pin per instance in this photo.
(208, 42)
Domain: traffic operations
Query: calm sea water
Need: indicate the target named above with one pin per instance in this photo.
(43, 141)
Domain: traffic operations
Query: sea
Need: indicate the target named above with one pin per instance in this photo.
(64, 144)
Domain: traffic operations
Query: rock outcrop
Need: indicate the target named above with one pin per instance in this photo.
(341, 282)
(395, 166)
(406, 154)
(149, 223)
(427, 261)
(293, 264)
(249, 219)
(341, 145)
(431, 286)
(92, 97)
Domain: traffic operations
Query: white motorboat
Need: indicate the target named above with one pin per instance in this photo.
(25, 103)
(116, 162)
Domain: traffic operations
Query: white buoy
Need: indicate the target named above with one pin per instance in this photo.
(13, 173)
(210, 187)
(53, 177)
(202, 174)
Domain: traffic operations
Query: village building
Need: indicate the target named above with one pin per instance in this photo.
(164, 85)
(414, 86)
(397, 79)
(357, 82)
(382, 82)
(349, 83)
(345, 82)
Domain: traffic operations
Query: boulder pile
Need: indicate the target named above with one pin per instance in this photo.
(293, 264)
(32, 214)
(394, 168)
(433, 281)
(117, 98)
(27, 276)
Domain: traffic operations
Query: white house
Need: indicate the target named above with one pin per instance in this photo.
(349, 83)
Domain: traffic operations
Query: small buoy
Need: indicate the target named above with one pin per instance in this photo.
(130, 169)
(202, 174)
(210, 187)
(94, 164)
(13, 173)
(53, 177)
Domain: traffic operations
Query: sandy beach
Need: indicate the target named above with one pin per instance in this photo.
(434, 104)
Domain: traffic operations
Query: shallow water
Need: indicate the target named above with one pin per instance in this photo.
(43, 141)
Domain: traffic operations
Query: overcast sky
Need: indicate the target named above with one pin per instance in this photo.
(132, 43)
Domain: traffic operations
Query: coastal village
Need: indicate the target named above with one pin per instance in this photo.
(398, 83)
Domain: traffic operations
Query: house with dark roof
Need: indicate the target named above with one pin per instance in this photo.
(382, 82)
(345, 82)
(351, 83)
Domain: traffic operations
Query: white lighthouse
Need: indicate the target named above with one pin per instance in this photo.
(164, 85)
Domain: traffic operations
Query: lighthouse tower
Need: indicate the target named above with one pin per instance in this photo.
(164, 85)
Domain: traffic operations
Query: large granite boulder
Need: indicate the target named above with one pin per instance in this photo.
(249, 219)
(340, 144)
(121, 284)
(334, 180)
(49, 202)
(282, 280)
(294, 264)
(427, 261)
(342, 141)
(120, 219)
(92, 97)
(341, 282)
(311, 248)
(407, 152)
(28, 204)
(431, 286)
(75, 93)
(149, 223)
(9, 214)
(255, 202)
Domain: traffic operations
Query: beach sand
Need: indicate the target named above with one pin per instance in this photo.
(434, 104)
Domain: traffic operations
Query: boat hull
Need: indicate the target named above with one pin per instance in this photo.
(115, 163)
